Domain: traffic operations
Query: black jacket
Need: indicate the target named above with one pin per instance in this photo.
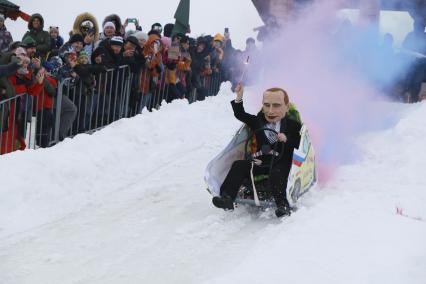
(109, 59)
(289, 127)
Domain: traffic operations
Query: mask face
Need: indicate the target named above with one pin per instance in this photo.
(274, 107)
(217, 44)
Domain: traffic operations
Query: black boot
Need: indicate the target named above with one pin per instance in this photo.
(283, 210)
(224, 202)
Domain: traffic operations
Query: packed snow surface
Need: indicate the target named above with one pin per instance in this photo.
(128, 205)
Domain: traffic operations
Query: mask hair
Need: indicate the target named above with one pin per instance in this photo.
(286, 99)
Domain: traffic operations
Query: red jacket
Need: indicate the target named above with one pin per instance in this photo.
(32, 88)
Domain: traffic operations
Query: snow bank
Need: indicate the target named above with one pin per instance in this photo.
(127, 205)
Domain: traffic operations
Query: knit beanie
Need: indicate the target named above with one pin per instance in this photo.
(140, 35)
(109, 24)
(117, 40)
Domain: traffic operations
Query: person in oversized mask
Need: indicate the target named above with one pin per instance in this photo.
(285, 135)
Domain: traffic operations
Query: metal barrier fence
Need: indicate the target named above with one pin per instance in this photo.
(85, 108)
(12, 125)
(25, 122)
(42, 121)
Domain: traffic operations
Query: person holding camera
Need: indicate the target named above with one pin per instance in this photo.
(273, 115)
(132, 21)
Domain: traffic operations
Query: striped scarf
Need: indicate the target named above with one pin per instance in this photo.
(272, 137)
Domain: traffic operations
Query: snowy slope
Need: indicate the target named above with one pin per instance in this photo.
(128, 205)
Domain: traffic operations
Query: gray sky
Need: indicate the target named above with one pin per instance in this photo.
(208, 17)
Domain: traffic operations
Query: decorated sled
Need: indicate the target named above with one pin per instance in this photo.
(301, 178)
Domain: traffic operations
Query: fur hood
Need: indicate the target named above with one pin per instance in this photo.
(117, 22)
(30, 21)
(86, 17)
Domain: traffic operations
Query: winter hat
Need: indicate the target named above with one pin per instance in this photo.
(83, 54)
(132, 39)
(56, 62)
(157, 27)
(15, 45)
(117, 40)
(76, 38)
(109, 24)
(218, 37)
(87, 24)
(28, 42)
(52, 28)
(140, 35)
(129, 33)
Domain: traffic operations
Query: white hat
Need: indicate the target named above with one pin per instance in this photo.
(117, 40)
(140, 35)
(109, 24)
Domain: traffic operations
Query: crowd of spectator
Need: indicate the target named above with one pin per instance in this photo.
(162, 65)
(105, 72)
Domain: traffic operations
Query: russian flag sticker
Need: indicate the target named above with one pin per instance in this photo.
(298, 159)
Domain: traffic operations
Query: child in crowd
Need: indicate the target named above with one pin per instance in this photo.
(56, 41)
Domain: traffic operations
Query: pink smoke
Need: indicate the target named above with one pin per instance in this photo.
(332, 95)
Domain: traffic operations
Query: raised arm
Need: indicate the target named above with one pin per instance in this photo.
(239, 112)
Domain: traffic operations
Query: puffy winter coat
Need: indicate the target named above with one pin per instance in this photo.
(150, 74)
(41, 37)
